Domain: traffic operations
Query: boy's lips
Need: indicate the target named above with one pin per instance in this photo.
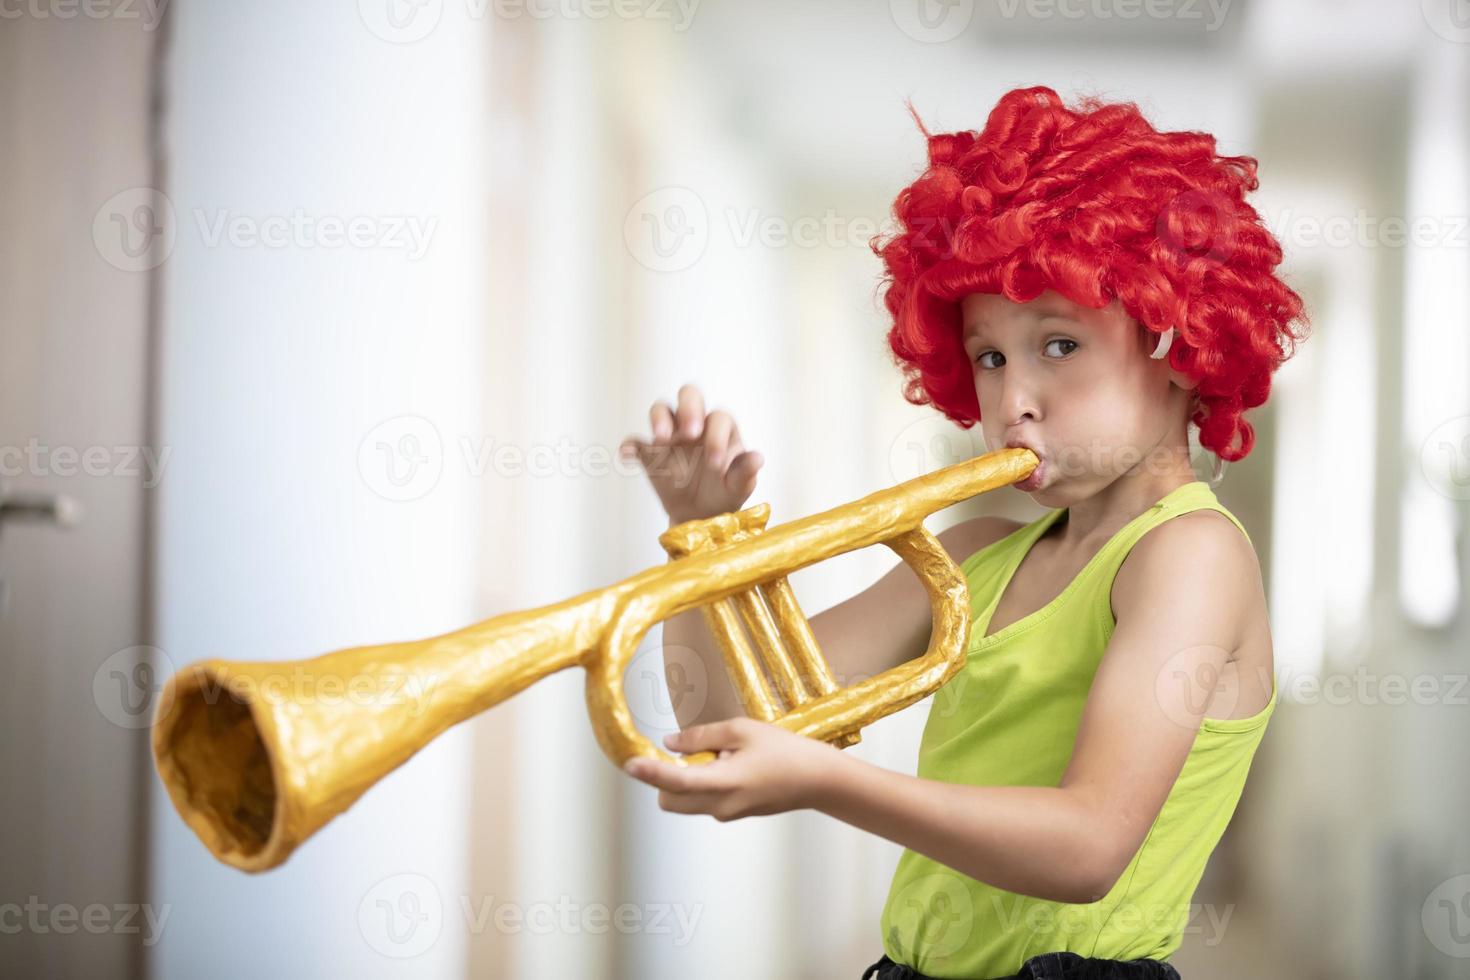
(1023, 444)
(1034, 478)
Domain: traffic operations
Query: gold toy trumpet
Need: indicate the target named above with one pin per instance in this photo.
(255, 767)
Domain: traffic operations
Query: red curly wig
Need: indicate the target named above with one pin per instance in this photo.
(1096, 204)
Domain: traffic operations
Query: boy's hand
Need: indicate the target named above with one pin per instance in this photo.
(696, 462)
(762, 769)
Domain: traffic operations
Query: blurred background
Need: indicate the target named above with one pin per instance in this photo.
(320, 325)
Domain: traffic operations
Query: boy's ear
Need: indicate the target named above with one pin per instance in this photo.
(1189, 384)
(1150, 342)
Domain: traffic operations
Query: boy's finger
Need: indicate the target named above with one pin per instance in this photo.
(740, 477)
(661, 420)
(690, 803)
(690, 416)
(635, 448)
(735, 446)
(697, 738)
(717, 437)
(664, 775)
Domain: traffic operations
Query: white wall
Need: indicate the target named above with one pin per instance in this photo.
(276, 538)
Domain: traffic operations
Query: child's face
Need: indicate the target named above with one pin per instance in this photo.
(1077, 386)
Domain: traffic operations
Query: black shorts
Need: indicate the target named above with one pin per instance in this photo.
(1049, 966)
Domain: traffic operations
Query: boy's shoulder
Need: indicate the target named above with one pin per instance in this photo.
(1201, 546)
(1205, 528)
(1183, 539)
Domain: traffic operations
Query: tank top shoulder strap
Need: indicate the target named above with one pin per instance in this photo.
(1181, 500)
(1094, 583)
(989, 569)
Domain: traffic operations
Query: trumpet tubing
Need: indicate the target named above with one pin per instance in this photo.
(255, 769)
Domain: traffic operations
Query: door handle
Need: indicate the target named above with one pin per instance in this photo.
(58, 510)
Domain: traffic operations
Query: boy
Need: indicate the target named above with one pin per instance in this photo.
(1086, 286)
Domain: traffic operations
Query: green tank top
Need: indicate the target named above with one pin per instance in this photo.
(1010, 718)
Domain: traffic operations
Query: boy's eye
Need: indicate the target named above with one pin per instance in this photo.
(1072, 345)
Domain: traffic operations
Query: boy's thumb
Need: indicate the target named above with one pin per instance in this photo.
(698, 737)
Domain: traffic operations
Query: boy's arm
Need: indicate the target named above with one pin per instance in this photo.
(1180, 600)
(889, 622)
